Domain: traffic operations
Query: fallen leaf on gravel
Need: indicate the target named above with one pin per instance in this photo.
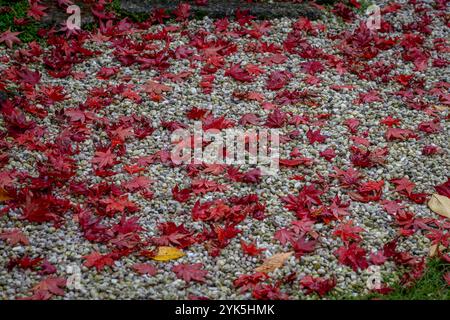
(4, 196)
(155, 87)
(440, 205)
(144, 268)
(167, 253)
(189, 272)
(433, 250)
(53, 285)
(14, 237)
(274, 262)
(440, 107)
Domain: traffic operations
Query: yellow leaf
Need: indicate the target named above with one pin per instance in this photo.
(440, 205)
(440, 107)
(434, 250)
(4, 196)
(274, 262)
(167, 253)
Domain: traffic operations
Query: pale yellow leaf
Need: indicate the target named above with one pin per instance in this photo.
(440, 205)
(167, 253)
(274, 262)
(434, 250)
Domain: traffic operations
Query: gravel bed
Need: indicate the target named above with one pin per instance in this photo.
(329, 107)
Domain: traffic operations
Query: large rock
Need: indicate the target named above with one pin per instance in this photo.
(222, 8)
(57, 16)
(3, 97)
(214, 9)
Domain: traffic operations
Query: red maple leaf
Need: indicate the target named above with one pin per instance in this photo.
(182, 12)
(182, 195)
(137, 183)
(268, 292)
(52, 285)
(278, 79)
(392, 207)
(352, 256)
(36, 11)
(25, 262)
(97, 260)
(174, 235)
(303, 246)
(371, 96)
(9, 38)
(312, 67)
(430, 126)
(447, 278)
(251, 249)
(14, 237)
(247, 282)
(47, 268)
(189, 272)
(118, 204)
(103, 159)
(318, 285)
(328, 154)
(252, 176)
(238, 73)
(399, 134)
(444, 188)
(249, 118)
(276, 119)
(29, 77)
(315, 136)
(377, 258)
(347, 178)
(284, 235)
(145, 268)
(352, 124)
(155, 89)
(347, 231)
(369, 191)
(390, 121)
(403, 185)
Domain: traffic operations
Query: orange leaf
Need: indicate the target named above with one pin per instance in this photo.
(274, 262)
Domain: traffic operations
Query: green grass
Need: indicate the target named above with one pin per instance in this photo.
(364, 5)
(19, 10)
(431, 286)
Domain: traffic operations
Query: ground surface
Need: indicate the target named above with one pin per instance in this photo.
(88, 181)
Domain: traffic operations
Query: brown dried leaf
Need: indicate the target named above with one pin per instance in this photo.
(4, 195)
(274, 262)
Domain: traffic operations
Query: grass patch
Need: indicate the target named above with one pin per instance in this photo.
(431, 286)
(18, 10)
(364, 5)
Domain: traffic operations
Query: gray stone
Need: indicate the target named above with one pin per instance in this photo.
(223, 8)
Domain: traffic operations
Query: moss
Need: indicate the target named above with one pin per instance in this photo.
(431, 286)
(117, 9)
(18, 10)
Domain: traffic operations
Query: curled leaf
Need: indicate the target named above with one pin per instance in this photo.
(274, 262)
